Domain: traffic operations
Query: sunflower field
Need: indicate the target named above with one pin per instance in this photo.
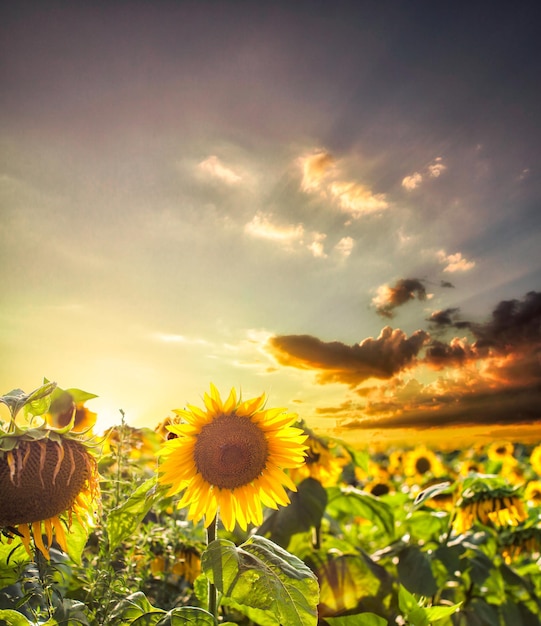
(235, 513)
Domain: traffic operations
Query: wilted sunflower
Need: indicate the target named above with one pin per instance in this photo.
(230, 457)
(519, 541)
(44, 473)
(488, 501)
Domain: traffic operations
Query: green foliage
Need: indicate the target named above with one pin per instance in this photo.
(263, 581)
(336, 556)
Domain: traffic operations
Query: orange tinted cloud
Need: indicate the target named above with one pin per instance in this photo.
(389, 298)
(382, 357)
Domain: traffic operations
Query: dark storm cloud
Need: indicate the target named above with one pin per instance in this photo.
(445, 317)
(513, 323)
(446, 284)
(392, 352)
(402, 291)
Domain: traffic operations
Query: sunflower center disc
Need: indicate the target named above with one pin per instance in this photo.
(422, 465)
(230, 451)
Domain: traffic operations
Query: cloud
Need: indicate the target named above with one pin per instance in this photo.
(344, 246)
(432, 170)
(446, 284)
(454, 262)
(436, 168)
(391, 352)
(213, 167)
(261, 226)
(413, 181)
(315, 168)
(356, 199)
(513, 323)
(389, 298)
(321, 176)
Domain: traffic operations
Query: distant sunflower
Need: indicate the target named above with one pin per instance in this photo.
(535, 460)
(46, 474)
(532, 492)
(421, 463)
(323, 463)
(230, 457)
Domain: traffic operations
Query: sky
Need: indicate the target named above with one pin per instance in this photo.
(336, 204)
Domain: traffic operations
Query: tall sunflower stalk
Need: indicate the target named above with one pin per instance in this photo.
(228, 461)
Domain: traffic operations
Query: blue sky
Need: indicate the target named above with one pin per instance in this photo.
(329, 202)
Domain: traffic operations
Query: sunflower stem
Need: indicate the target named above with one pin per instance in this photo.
(211, 536)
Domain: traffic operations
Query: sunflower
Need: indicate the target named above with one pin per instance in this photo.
(45, 473)
(421, 463)
(489, 502)
(532, 492)
(230, 457)
(323, 462)
(535, 460)
(519, 541)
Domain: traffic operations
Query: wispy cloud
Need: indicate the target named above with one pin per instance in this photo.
(321, 175)
(432, 170)
(212, 166)
(454, 262)
(261, 226)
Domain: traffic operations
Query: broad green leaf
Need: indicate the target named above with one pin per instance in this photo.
(184, 616)
(132, 608)
(13, 618)
(360, 619)
(435, 613)
(76, 539)
(263, 581)
(350, 502)
(345, 579)
(427, 524)
(124, 519)
(415, 572)
(303, 513)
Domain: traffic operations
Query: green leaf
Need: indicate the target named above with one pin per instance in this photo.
(124, 519)
(76, 539)
(263, 581)
(351, 502)
(409, 606)
(360, 619)
(183, 616)
(427, 524)
(133, 607)
(435, 613)
(17, 398)
(13, 618)
(303, 513)
(431, 492)
(415, 572)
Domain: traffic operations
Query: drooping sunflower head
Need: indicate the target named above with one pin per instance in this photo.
(491, 501)
(230, 457)
(47, 476)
